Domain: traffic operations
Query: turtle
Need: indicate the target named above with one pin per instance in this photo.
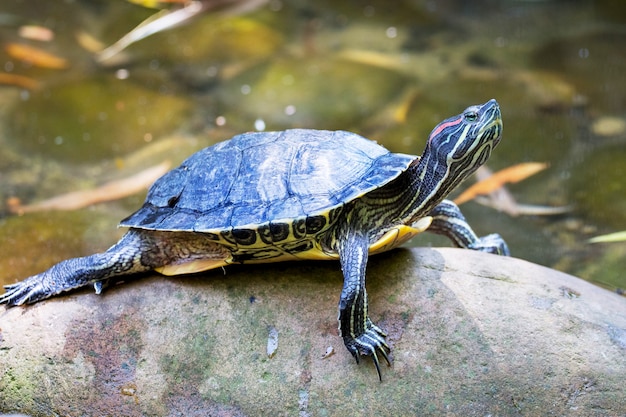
(291, 195)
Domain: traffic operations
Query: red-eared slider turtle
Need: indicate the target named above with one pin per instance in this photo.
(297, 194)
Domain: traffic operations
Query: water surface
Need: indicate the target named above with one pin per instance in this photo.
(388, 73)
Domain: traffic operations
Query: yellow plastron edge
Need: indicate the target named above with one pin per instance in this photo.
(392, 239)
(399, 235)
(191, 267)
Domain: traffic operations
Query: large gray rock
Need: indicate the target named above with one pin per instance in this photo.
(472, 335)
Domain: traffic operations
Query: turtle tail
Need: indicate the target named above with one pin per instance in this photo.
(125, 257)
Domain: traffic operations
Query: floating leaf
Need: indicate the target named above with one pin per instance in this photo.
(609, 238)
(113, 190)
(500, 199)
(35, 56)
(511, 174)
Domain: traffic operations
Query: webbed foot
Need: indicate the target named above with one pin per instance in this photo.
(64, 276)
(370, 343)
(492, 243)
(28, 291)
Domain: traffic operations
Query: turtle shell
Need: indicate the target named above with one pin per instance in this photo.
(260, 178)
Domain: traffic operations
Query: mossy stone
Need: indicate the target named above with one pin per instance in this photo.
(471, 334)
(212, 40)
(94, 119)
(309, 92)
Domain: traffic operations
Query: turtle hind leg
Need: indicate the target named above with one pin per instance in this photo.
(121, 259)
(137, 251)
(64, 276)
(448, 220)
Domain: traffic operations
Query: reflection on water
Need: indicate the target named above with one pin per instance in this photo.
(389, 73)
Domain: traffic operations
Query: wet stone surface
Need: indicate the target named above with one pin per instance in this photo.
(471, 335)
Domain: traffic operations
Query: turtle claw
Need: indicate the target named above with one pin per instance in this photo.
(64, 276)
(99, 286)
(370, 343)
(37, 288)
(24, 292)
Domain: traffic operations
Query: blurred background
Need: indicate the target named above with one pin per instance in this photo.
(97, 98)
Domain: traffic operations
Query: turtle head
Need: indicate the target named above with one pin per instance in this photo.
(464, 142)
(459, 145)
(455, 149)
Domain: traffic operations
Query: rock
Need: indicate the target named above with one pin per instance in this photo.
(214, 40)
(472, 335)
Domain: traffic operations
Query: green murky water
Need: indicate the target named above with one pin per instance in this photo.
(387, 72)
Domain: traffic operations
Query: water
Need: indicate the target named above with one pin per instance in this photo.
(389, 73)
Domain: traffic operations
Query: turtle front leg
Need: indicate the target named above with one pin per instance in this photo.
(450, 222)
(360, 335)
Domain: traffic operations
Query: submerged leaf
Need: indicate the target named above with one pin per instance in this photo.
(110, 191)
(514, 208)
(163, 20)
(35, 56)
(89, 42)
(166, 19)
(511, 174)
(18, 81)
(157, 4)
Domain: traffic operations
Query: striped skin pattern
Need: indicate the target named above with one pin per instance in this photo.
(297, 194)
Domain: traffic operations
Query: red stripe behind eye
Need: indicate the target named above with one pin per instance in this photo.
(442, 126)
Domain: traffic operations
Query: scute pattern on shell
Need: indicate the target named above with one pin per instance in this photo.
(256, 178)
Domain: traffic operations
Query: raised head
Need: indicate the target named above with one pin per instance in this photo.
(459, 145)
(464, 142)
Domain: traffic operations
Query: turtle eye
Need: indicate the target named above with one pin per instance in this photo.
(470, 116)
